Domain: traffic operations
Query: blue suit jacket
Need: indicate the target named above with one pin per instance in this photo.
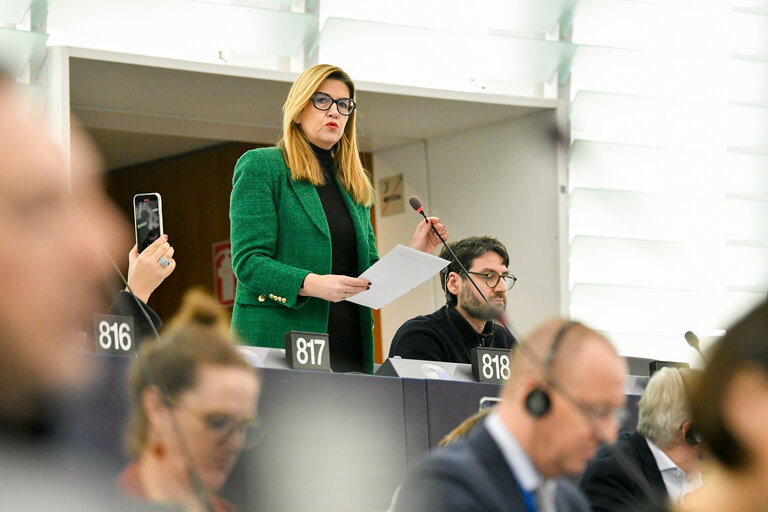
(473, 475)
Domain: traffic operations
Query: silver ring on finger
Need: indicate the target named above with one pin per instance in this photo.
(164, 262)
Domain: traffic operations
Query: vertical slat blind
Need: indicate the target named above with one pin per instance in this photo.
(668, 169)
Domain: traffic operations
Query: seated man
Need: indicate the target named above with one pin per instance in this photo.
(558, 405)
(462, 324)
(665, 451)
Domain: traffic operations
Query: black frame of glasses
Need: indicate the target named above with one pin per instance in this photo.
(486, 274)
(351, 101)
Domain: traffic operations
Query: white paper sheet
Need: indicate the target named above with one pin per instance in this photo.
(397, 273)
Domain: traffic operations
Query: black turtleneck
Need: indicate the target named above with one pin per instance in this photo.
(344, 335)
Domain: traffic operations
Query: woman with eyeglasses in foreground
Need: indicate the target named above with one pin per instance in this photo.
(192, 397)
(301, 229)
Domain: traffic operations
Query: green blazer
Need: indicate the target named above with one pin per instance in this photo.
(280, 234)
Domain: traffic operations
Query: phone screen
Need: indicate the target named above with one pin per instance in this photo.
(148, 219)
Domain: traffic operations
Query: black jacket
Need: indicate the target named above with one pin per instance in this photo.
(610, 488)
(125, 304)
(445, 336)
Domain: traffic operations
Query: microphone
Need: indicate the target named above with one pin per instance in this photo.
(693, 341)
(416, 205)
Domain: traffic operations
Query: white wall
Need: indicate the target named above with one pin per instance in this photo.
(410, 161)
(498, 180)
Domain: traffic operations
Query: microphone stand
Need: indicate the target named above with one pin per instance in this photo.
(416, 205)
(693, 341)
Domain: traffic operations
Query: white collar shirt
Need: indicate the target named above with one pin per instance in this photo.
(526, 474)
(674, 477)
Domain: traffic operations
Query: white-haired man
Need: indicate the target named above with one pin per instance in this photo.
(664, 448)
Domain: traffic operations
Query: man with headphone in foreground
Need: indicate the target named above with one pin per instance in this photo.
(559, 404)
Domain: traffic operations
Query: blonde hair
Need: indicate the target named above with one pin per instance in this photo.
(197, 335)
(465, 427)
(296, 149)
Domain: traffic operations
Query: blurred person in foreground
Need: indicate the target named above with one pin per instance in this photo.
(461, 431)
(560, 402)
(665, 449)
(730, 411)
(56, 223)
(192, 397)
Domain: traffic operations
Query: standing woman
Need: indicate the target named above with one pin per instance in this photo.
(301, 229)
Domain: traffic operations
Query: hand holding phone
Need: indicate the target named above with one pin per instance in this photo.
(147, 219)
(144, 271)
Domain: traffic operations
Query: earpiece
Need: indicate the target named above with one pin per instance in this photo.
(537, 402)
(692, 437)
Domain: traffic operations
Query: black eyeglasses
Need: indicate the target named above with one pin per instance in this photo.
(324, 102)
(599, 413)
(492, 279)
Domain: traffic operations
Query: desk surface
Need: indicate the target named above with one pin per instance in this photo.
(328, 441)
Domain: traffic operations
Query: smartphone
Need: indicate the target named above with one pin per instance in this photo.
(147, 218)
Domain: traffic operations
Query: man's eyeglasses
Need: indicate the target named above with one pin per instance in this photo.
(492, 279)
(324, 102)
(597, 414)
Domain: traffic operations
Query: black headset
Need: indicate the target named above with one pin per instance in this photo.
(692, 437)
(537, 402)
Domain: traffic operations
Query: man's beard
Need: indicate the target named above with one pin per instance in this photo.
(476, 306)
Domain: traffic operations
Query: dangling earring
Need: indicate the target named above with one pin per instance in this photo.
(158, 450)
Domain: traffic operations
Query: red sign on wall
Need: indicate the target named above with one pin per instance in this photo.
(224, 281)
